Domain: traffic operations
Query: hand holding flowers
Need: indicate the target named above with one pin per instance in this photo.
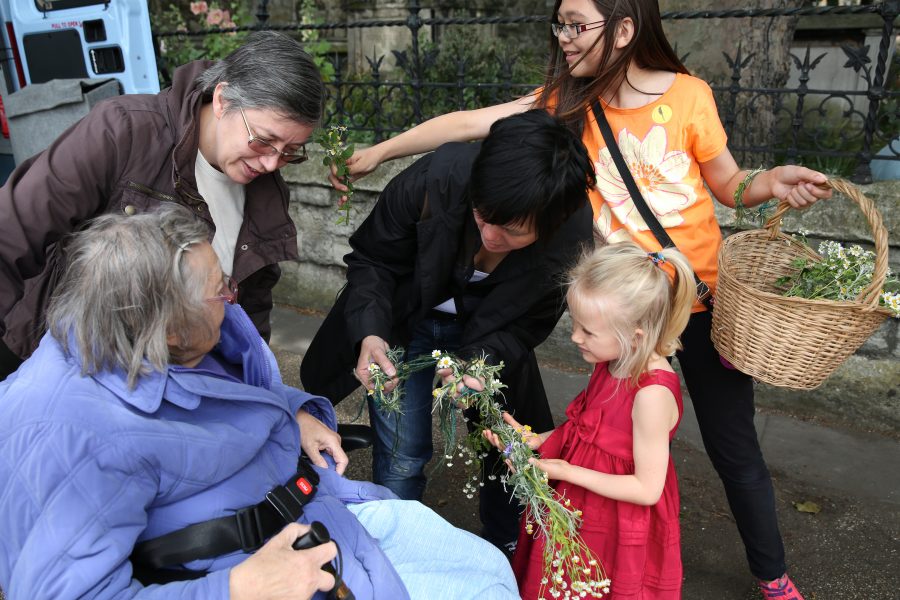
(569, 565)
(337, 151)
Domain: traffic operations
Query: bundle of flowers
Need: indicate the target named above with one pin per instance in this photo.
(841, 275)
(570, 568)
(337, 151)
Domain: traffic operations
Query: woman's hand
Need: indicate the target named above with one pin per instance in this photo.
(361, 163)
(278, 572)
(373, 349)
(316, 437)
(798, 186)
(468, 382)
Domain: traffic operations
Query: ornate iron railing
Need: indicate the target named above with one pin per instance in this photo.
(868, 117)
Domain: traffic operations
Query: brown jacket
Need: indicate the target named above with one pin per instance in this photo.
(128, 154)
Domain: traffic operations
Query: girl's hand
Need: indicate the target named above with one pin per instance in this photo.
(798, 186)
(555, 468)
(493, 439)
(316, 437)
(533, 440)
(360, 164)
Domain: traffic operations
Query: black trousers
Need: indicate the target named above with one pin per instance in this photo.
(723, 402)
(9, 361)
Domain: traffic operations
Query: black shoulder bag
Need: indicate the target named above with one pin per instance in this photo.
(703, 292)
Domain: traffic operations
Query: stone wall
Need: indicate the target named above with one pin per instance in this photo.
(863, 393)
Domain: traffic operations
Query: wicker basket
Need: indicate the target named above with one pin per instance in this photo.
(790, 342)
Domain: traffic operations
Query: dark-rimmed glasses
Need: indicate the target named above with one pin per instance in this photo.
(227, 293)
(571, 30)
(261, 146)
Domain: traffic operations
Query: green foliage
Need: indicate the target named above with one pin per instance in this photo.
(211, 23)
(312, 41)
(337, 151)
(213, 20)
(468, 54)
(474, 55)
(841, 275)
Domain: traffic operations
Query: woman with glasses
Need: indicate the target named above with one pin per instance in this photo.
(149, 440)
(212, 142)
(611, 57)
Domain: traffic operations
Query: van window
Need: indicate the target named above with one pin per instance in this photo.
(51, 5)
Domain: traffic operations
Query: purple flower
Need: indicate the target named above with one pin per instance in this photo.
(508, 450)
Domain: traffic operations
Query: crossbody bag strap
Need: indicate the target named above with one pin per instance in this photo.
(659, 232)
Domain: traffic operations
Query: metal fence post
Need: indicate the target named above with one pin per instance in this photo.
(889, 10)
(460, 83)
(377, 111)
(414, 22)
(802, 90)
(262, 14)
(737, 65)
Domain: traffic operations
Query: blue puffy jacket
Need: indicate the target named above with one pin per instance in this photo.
(88, 468)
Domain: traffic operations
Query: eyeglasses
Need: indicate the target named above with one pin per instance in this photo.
(261, 146)
(227, 293)
(571, 30)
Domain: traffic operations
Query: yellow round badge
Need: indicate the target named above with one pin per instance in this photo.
(662, 114)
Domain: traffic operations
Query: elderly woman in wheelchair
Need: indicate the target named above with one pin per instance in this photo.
(149, 448)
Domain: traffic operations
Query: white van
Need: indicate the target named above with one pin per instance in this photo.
(65, 39)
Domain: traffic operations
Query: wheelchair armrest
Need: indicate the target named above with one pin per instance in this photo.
(355, 436)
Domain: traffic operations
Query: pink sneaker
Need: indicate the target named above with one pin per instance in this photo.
(780, 589)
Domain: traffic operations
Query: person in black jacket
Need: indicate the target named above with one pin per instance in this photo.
(463, 252)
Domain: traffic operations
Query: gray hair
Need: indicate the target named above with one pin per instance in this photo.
(126, 288)
(270, 71)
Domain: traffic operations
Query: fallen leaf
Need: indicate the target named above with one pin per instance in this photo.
(807, 507)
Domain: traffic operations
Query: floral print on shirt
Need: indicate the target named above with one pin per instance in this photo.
(658, 173)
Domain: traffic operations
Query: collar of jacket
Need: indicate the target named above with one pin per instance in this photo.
(182, 104)
(239, 343)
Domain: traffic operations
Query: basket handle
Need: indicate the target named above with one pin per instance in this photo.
(871, 293)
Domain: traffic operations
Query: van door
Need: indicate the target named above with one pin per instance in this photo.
(64, 39)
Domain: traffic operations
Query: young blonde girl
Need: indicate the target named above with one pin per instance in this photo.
(666, 124)
(611, 457)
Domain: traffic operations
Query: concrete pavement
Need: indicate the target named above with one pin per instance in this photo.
(849, 549)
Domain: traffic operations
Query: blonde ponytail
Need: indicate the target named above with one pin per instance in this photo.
(645, 299)
(683, 297)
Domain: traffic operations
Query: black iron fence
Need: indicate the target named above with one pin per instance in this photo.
(816, 126)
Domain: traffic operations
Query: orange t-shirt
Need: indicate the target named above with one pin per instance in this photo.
(663, 144)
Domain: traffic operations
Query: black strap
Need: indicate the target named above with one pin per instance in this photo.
(662, 236)
(247, 529)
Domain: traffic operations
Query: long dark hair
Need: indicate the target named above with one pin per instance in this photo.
(649, 49)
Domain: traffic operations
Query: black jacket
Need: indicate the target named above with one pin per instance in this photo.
(411, 254)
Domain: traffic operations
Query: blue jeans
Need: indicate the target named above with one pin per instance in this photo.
(403, 442)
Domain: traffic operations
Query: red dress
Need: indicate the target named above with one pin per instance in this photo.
(639, 546)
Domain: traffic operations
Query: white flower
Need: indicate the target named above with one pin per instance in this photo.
(445, 363)
(374, 368)
(659, 174)
(435, 354)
